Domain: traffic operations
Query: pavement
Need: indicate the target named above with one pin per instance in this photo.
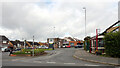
(85, 56)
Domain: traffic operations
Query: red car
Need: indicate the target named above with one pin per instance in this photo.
(68, 46)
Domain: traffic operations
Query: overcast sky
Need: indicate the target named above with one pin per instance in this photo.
(25, 18)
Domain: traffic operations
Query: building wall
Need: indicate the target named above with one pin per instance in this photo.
(55, 41)
(74, 42)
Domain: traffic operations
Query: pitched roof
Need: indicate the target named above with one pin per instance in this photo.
(2, 37)
(118, 22)
(69, 39)
(113, 28)
(14, 42)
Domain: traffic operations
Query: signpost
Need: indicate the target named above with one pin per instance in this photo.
(96, 39)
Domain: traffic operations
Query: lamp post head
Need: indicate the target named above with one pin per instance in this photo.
(84, 8)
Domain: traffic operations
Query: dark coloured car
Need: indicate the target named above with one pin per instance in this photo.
(18, 49)
(29, 48)
(78, 46)
(7, 50)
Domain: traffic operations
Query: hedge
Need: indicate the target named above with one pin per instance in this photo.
(112, 44)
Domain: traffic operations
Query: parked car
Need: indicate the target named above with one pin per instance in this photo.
(72, 45)
(78, 46)
(39, 47)
(64, 46)
(44, 47)
(7, 50)
(3, 49)
(29, 48)
(68, 46)
(17, 49)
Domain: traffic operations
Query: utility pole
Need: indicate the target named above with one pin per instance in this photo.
(33, 45)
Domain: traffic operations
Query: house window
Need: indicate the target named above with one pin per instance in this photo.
(72, 44)
(4, 41)
(51, 40)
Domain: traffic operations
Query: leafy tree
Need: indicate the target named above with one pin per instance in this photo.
(86, 42)
(87, 38)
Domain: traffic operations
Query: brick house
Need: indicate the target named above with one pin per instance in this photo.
(53, 42)
(4, 41)
(58, 42)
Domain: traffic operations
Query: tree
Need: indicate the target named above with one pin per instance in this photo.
(87, 42)
(87, 38)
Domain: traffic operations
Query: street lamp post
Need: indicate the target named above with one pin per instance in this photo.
(33, 45)
(54, 31)
(97, 33)
(24, 42)
(85, 20)
(54, 38)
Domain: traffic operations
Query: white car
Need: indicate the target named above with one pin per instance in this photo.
(64, 46)
(44, 47)
(3, 48)
(39, 47)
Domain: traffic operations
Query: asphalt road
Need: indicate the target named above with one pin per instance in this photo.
(57, 57)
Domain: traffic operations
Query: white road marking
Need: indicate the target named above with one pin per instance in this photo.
(18, 59)
(14, 60)
(69, 63)
(25, 61)
(51, 62)
(37, 62)
(91, 65)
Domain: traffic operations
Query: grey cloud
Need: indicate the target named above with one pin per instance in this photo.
(27, 19)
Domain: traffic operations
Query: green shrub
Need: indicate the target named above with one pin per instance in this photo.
(21, 53)
(112, 44)
(30, 51)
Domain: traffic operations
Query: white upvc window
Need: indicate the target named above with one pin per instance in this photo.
(4, 41)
